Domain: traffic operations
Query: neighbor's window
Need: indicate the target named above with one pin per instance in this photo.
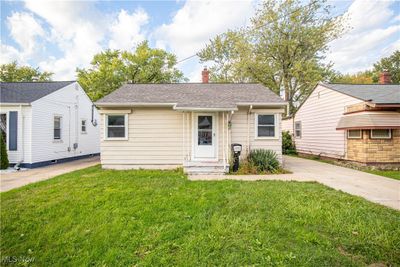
(297, 129)
(57, 128)
(265, 125)
(381, 134)
(116, 126)
(83, 126)
(354, 134)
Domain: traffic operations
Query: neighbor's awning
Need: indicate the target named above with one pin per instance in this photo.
(370, 120)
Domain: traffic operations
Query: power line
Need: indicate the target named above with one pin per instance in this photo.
(294, 11)
(186, 58)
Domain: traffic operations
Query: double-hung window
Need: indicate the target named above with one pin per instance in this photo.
(297, 129)
(83, 126)
(354, 134)
(57, 128)
(381, 134)
(116, 127)
(266, 126)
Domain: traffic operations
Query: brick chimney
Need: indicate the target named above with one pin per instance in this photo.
(205, 75)
(385, 77)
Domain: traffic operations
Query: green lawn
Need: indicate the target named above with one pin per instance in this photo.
(125, 218)
(390, 174)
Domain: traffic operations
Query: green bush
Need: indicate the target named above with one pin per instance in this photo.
(288, 146)
(264, 160)
(3, 154)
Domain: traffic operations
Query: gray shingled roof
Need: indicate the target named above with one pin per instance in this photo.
(375, 93)
(193, 95)
(27, 92)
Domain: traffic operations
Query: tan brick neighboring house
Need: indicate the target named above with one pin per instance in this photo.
(355, 122)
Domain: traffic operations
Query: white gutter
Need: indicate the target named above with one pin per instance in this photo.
(174, 105)
(14, 104)
(263, 104)
(132, 104)
(204, 109)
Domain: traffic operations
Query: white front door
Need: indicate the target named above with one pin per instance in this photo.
(205, 141)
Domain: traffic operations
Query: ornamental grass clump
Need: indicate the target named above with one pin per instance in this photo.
(264, 160)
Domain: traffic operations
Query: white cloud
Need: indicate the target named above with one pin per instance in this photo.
(368, 40)
(9, 53)
(24, 29)
(198, 21)
(74, 31)
(126, 30)
(79, 30)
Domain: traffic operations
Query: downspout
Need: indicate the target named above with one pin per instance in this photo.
(248, 130)
(223, 140)
(69, 128)
(94, 122)
(22, 140)
(228, 120)
(183, 137)
(76, 144)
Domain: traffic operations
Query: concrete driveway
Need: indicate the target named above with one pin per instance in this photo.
(378, 189)
(9, 181)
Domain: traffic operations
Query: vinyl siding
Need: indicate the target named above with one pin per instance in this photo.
(73, 105)
(319, 116)
(287, 125)
(155, 137)
(163, 138)
(240, 134)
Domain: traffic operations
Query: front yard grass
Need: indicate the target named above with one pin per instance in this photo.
(125, 218)
(389, 174)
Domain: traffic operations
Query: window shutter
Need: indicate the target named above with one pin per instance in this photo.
(13, 131)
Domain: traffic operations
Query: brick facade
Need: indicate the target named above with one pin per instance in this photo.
(367, 150)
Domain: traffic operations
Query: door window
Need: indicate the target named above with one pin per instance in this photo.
(204, 128)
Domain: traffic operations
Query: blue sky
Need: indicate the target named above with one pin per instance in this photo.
(60, 36)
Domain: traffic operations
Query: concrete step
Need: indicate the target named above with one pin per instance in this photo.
(203, 168)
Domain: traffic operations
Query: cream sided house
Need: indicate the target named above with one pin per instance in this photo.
(190, 124)
(47, 122)
(355, 122)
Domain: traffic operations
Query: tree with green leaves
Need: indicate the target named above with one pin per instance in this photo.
(363, 77)
(11, 72)
(111, 68)
(283, 48)
(230, 52)
(390, 64)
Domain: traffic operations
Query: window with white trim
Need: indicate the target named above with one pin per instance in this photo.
(353, 134)
(57, 128)
(116, 126)
(297, 129)
(266, 125)
(83, 126)
(381, 134)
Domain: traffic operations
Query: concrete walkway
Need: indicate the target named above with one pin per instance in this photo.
(378, 189)
(9, 181)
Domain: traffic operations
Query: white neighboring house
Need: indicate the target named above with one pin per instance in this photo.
(47, 122)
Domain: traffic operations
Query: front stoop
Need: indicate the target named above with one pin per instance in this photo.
(205, 168)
